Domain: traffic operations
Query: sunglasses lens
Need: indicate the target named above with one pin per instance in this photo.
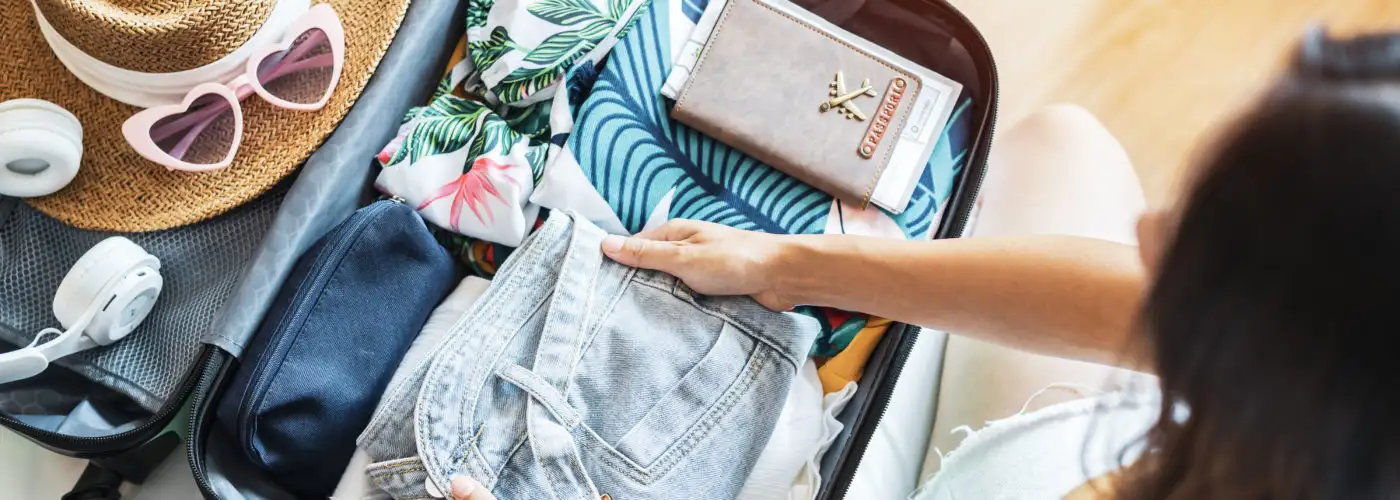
(302, 74)
(201, 135)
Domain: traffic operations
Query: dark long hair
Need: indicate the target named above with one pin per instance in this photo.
(1274, 316)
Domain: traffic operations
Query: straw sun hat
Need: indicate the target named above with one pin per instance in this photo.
(147, 53)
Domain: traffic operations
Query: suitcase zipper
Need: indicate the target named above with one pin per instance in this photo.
(81, 446)
(194, 442)
(963, 210)
(965, 203)
(340, 240)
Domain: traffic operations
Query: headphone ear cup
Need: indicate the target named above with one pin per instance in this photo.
(100, 279)
(129, 302)
(83, 284)
(41, 147)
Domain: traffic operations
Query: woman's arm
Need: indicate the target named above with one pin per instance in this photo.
(1058, 295)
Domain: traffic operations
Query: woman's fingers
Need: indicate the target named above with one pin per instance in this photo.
(673, 230)
(657, 248)
(465, 488)
(643, 253)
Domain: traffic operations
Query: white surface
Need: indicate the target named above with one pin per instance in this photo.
(30, 472)
(891, 465)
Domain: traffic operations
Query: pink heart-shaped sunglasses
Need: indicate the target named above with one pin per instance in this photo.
(203, 132)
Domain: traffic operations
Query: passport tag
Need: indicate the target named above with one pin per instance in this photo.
(930, 114)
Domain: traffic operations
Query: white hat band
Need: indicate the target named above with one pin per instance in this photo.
(155, 89)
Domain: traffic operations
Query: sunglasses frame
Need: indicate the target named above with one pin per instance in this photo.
(138, 128)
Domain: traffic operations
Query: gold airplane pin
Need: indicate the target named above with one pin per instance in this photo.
(841, 100)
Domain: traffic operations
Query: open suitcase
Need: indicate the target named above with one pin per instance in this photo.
(261, 241)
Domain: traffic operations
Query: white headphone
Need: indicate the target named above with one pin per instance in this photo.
(41, 146)
(111, 289)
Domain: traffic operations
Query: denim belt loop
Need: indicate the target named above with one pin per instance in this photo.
(550, 418)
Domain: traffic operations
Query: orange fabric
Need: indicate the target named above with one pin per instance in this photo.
(848, 365)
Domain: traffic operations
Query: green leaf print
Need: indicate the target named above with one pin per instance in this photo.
(532, 120)
(549, 61)
(616, 8)
(569, 45)
(557, 46)
(596, 32)
(443, 126)
(484, 53)
(495, 135)
(477, 11)
(565, 12)
(554, 56)
(523, 82)
(536, 156)
(444, 87)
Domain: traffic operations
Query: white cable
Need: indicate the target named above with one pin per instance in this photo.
(32, 360)
(41, 334)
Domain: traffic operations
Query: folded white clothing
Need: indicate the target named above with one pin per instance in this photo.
(788, 468)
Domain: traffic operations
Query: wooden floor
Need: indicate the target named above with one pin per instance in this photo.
(1158, 73)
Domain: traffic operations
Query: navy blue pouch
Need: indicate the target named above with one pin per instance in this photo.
(330, 342)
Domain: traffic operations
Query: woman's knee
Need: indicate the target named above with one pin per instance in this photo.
(1059, 171)
(1059, 118)
(1061, 133)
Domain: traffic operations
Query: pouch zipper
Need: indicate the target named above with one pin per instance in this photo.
(339, 243)
(205, 389)
(860, 439)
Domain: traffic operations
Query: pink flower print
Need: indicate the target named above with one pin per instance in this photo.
(471, 189)
(390, 149)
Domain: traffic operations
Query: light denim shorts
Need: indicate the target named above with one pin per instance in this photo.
(575, 376)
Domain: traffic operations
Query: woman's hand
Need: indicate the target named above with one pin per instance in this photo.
(465, 488)
(710, 258)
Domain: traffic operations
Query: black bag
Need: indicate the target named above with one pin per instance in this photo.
(317, 366)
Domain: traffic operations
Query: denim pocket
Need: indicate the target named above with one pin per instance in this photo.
(648, 394)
